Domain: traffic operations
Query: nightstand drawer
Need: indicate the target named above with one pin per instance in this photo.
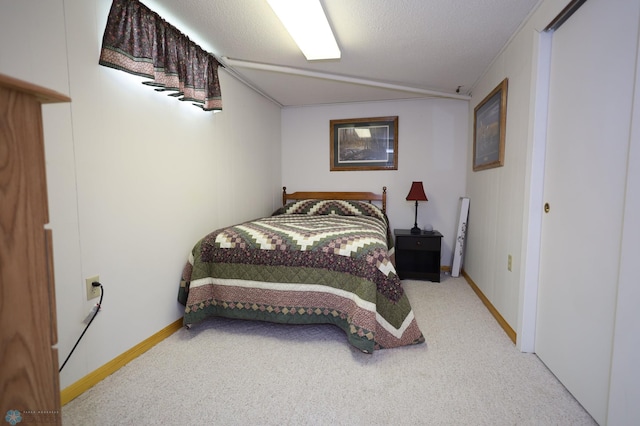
(417, 243)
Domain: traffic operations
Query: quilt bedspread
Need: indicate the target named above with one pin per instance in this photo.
(303, 265)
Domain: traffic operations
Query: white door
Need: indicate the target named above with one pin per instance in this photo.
(591, 78)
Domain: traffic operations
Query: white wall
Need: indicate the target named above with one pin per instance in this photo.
(134, 177)
(432, 138)
(500, 196)
(502, 214)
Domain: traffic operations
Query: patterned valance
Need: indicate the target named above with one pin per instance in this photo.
(138, 41)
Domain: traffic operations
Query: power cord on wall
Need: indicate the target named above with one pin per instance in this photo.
(97, 309)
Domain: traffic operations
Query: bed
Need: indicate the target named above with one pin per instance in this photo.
(323, 257)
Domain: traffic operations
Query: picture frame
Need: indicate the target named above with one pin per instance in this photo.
(489, 127)
(364, 144)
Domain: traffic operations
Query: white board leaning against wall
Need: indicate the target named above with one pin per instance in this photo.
(461, 234)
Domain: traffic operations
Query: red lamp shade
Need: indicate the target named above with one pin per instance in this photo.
(416, 193)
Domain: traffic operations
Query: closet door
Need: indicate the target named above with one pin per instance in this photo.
(592, 74)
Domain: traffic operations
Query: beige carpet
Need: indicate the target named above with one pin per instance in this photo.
(225, 372)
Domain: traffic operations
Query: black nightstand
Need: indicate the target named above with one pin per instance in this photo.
(418, 255)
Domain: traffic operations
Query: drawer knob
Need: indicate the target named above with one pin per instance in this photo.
(418, 243)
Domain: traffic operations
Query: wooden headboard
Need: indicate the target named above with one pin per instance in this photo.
(359, 196)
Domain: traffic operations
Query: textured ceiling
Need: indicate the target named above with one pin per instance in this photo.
(427, 45)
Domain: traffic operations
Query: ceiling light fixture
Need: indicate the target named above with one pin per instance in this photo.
(308, 26)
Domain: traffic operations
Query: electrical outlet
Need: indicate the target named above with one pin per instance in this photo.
(92, 292)
(509, 263)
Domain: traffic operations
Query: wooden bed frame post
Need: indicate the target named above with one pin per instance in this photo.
(384, 199)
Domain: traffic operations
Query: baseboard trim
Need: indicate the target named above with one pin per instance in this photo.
(87, 382)
(505, 326)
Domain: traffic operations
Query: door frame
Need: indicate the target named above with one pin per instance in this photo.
(532, 241)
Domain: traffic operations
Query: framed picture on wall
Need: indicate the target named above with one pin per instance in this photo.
(364, 144)
(489, 126)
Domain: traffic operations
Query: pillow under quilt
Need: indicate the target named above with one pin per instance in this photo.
(329, 207)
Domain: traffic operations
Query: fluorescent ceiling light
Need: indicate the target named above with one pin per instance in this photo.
(308, 26)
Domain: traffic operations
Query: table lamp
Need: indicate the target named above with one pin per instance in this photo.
(416, 193)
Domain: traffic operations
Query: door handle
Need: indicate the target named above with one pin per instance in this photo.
(547, 207)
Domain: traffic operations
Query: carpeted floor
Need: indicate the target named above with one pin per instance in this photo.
(226, 372)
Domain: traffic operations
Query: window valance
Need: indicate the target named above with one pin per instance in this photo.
(138, 41)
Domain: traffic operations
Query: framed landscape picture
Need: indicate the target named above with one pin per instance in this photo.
(364, 144)
(489, 125)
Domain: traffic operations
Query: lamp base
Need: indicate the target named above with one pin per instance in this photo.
(415, 230)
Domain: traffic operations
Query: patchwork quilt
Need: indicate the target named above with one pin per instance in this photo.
(312, 261)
